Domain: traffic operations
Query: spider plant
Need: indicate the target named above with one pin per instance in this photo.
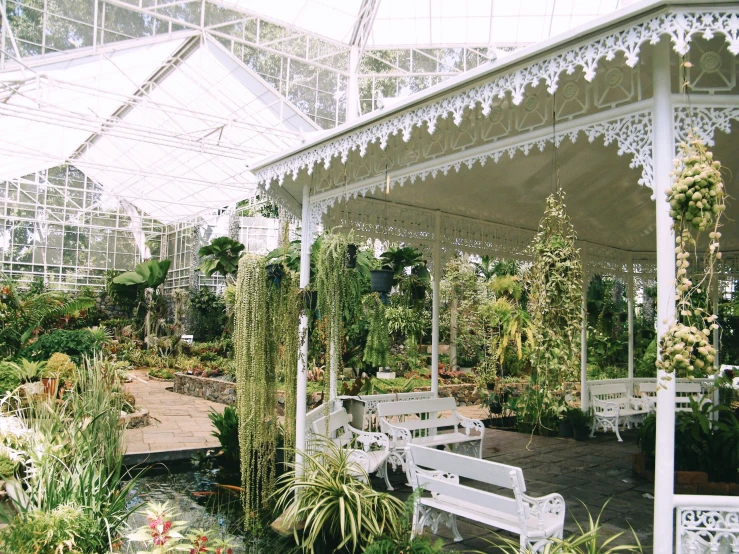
(337, 511)
(586, 540)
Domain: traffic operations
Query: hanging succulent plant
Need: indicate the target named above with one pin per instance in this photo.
(333, 289)
(255, 386)
(697, 201)
(555, 299)
(285, 306)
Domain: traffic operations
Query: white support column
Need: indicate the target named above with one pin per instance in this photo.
(663, 148)
(714, 305)
(352, 90)
(584, 340)
(630, 292)
(435, 306)
(302, 381)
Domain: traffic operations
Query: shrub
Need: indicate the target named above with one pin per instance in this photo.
(61, 366)
(8, 377)
(66, 528)
(7, 466)
(207, 314)
(76, 344)
(161, 373)
(227, 432)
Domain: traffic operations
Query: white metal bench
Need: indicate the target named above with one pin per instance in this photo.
(684, 392)
(535, 520)
(363, 408)
(417, 422)
(613, 407)
(186, 339)
(369, 451)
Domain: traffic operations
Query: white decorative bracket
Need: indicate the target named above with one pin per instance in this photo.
(703, 122)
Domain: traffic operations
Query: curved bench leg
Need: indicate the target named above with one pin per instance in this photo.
(453, 526)
(383, 472)
(616, 429)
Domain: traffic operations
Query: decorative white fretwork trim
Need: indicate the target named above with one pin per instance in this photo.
(632, 133)
(680, 26)
(703, 121)
(707, 529)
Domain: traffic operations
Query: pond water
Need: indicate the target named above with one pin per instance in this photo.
(197, 493)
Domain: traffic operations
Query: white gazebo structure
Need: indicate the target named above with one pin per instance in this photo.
(467, 164)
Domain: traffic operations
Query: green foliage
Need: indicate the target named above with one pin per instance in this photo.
(7, 467)
(399, 541)
(161, 373)
(334, 295)
(255, 386)
(555, 300)
(62, 367)
(700, 443)
(227, 432)
(9, 380)
(150, 274)
(65, 529)
(21, 318)
(76, 344)
(399, 259)
(285, 304)
(75, 460)
(377, 348)
(207, 314)
(27, 371)
(340, 513)
(221, 255)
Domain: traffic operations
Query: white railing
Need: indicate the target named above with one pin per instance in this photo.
(706, 524)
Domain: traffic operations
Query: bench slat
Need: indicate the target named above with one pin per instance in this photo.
(484, 471)
(411, 407)
(487, 500)
(417, 424)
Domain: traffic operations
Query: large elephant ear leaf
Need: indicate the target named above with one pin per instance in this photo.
(158, 273)
(208, 266)
(129, 278)
(143, 269)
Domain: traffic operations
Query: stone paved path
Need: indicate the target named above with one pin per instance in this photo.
(180, 424)
(592, 472)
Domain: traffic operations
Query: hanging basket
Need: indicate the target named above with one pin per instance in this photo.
(382, 280)
(351, 256)
(418, 292)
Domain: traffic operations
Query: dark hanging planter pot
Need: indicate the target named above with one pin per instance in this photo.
(351, 256)
(418, 292)
(382, 280)
(274, 273)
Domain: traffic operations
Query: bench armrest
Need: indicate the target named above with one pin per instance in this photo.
(606, 406)
(549, 504)
(395, 433)
(469, 424)
(367, 439)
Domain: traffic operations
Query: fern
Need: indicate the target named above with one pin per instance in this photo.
(21, 318)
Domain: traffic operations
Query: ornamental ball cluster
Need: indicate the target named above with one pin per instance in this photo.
(697, 192)
(686, 350)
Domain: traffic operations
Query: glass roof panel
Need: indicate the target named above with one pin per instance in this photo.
(436, 22)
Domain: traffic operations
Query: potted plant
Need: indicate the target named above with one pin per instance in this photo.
(580, 422)
(565, 425)
(511, 410)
